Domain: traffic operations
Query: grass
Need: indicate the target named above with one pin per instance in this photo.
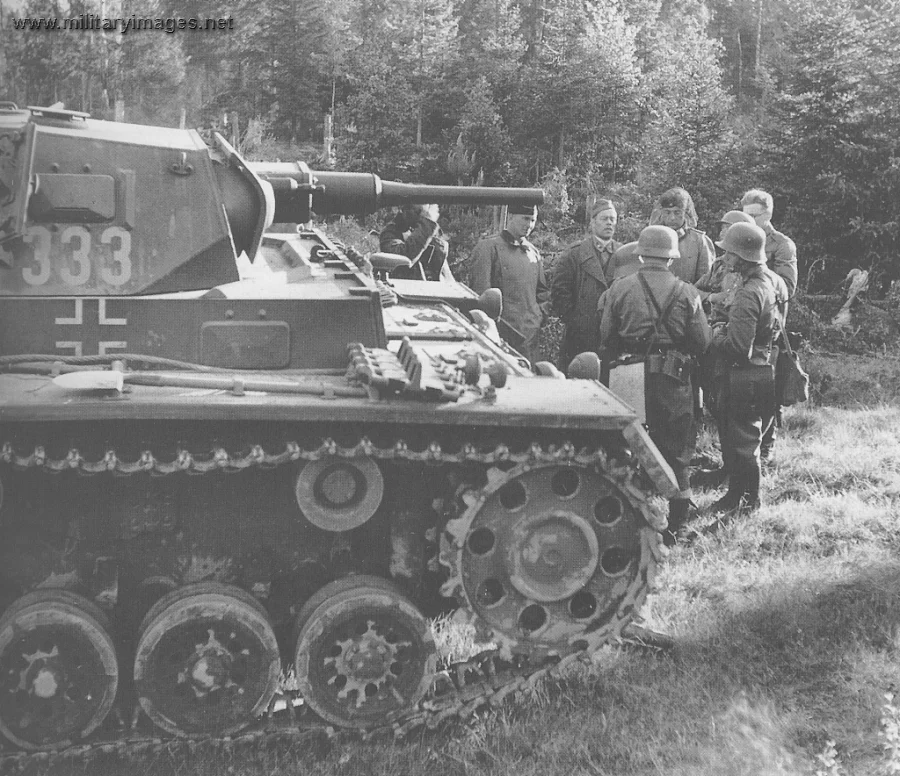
(787, 663)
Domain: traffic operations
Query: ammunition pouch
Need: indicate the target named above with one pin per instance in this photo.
(751, 390)
(672, 363)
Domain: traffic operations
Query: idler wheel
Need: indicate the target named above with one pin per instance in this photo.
(58, 669)
(364, 655)
(207, 663)
(339, 494)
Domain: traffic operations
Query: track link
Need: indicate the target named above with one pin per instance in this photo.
(486, 680)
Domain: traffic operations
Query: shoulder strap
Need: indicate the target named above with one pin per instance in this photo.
(661, 313)
(784, 335)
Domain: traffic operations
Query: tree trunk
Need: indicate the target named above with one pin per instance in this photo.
(759, 18)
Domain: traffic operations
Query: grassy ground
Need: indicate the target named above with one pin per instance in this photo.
(786, 626)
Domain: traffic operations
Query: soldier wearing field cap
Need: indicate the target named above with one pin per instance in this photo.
(747, 389)
(582, 273)
(654, 315)
(508, 261)
(675, 209)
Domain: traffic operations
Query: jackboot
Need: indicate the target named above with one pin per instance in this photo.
(751, 489)
(731, 500)
(724, 510)
(679, 514)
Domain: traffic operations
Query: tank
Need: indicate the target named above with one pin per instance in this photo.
(230, 452)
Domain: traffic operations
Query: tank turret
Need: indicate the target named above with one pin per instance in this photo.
(205, 469)
(100, 208)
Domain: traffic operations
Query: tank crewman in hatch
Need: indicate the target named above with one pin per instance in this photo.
(414, 233)
(675, 209)
(747, 388)
(508, 261)
(582, 273)
(653, 314)
(781, 257)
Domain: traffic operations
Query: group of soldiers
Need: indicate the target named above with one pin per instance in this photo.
(704, 328)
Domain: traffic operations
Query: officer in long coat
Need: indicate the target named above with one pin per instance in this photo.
(508, 261)
(747, 388)
(652, 314)
(675, 209)
(582, 273)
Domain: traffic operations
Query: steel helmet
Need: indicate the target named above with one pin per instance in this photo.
(746, 240)
(736, 217)
(658, 242)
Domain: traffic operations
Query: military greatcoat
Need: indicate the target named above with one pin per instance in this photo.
(581, 275)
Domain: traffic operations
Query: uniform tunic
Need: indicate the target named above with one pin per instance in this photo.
(516, 268)
(781, 256)
(697, 255)
(581, 275)
(627, 320)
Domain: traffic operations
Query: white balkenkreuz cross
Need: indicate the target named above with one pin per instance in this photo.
(90, 316)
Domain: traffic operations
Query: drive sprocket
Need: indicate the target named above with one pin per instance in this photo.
(548, 559)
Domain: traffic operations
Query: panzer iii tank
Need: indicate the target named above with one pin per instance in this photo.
(206, 477)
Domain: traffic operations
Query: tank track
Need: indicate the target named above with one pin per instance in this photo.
(458, 691)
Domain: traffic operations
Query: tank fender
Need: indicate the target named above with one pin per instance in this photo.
(657, 468)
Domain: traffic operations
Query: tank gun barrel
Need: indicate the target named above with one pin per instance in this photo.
(299, 190)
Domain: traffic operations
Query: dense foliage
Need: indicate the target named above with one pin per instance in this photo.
(612, 96)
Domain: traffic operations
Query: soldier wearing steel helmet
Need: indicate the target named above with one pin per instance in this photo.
(717, 290)
(745, 347)
(655, 316)
(719, 285)
(781, 252)
(781, 257)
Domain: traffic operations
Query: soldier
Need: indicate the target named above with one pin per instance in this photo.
(717, 287)
(781, 255)
(653, 314)
(582, 273)
(626, 260)
(675, 209)
(747, 389)
(781, 252)
(508, 261)
(415, 233)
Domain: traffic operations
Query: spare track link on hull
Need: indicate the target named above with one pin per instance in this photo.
(458, 691)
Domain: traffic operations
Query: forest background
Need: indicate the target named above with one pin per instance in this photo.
(620, 98)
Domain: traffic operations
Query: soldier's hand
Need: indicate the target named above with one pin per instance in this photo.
(719, 331)
(431, 212)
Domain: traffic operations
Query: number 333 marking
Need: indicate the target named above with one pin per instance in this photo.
(77, 271)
